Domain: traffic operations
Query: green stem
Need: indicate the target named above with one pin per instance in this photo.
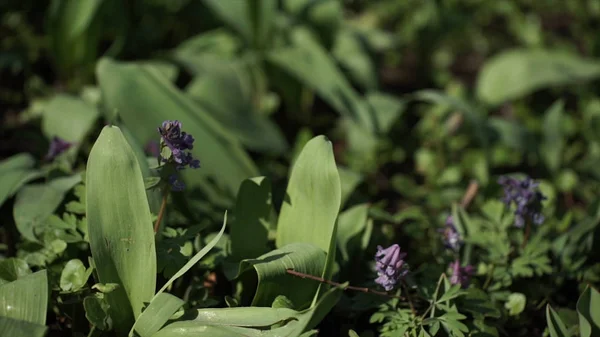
(161, 213)
(489, 277)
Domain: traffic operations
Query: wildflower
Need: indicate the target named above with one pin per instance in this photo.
(527, 198)
(390, 266)
(460, 275)
(451, 236)
(178, 141)
(176, 184)
(57, 146)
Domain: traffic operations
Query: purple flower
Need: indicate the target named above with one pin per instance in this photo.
(178, 142)
(451, 236)
(57, 146)
(176, 184)
(460, 275)
(390, 266)
(526, 196)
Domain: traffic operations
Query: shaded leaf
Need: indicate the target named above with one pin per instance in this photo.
(26, 299)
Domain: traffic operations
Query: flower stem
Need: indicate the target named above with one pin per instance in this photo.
(470, 193)
(410, 303)
(335, 284)
(161, 213)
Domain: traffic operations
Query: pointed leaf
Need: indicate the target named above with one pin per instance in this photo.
(120, 226)
(14, 172)
(556, 326)
(588, 308)
(161, 309)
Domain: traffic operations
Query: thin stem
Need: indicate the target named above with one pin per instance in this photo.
(489, 277)
(335, 284)
(161, 213)
(92, 330)
(469, 194)
(410, 303)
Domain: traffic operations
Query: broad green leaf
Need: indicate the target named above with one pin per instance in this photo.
(588, 308)
(519, 72)
(226, 91)
(74, 275)
(552, 147)
(313, 197)
(69, 118)
(144, 98)
(153, 318)
(154, 195)
(14, 173)
(26, 299)
(350, 52)
(556, 326)
(73, 33)
(273, 280)
(120, 226)
(351, 224)
(312, 65)
(12, 268)
(252, 19)
(18, 328)
(36, 202)
(244, 317)
(253, 321)
(249, 232)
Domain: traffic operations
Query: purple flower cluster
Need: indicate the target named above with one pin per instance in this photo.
(57, 146)
(451, 236)
(526, 196)
(178, 142)
(461, 275)
(390, 266)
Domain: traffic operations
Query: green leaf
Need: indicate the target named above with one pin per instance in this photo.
(36, 202)
(161, 309)
(351, 224)
(249, 232)
(588, 308)
(350, 52)
(515, 304)
(72, 28)
(96, 311)
(273, 280)
(312, 65)
(313, 197)
(144, 98)
(69, 118)
(26, 299)
(74, 275)
(120, 226)
(227, 92)
(252, 19)
(253, 321)
(17, 328)
(519, 72)
(12, 268)
(16, 171)
(452, 293)
(556, 327)
(552, 147)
